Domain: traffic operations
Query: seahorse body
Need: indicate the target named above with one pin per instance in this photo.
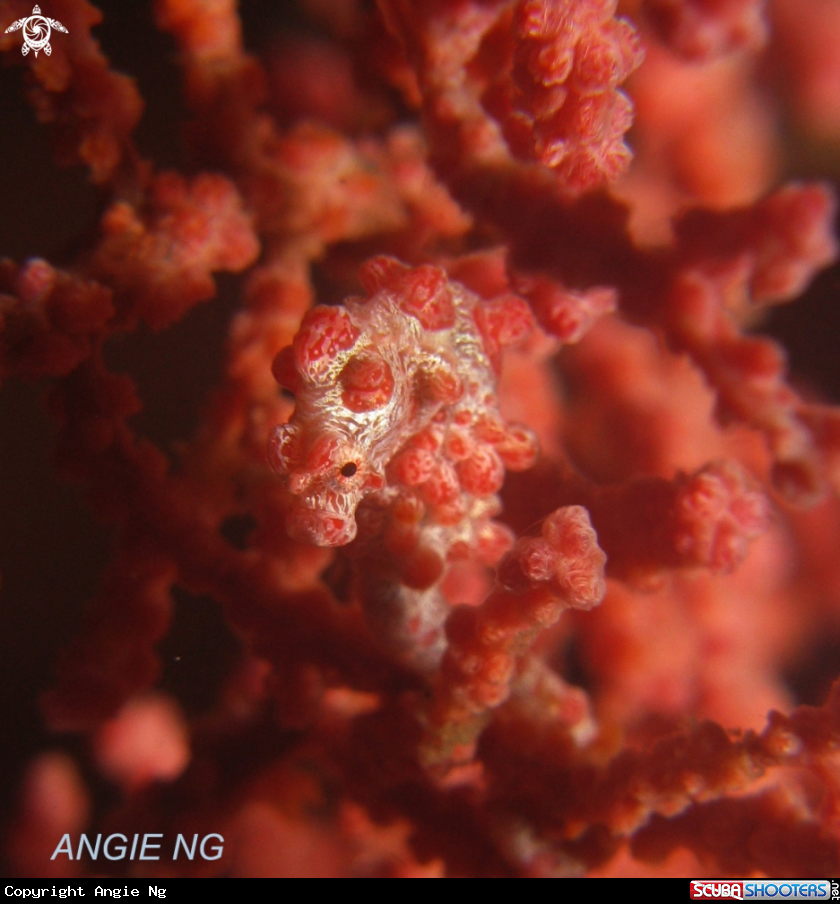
(396, 408)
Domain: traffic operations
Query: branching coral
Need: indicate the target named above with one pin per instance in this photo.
(499, 493)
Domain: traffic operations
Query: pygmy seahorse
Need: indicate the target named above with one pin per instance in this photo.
(405, 377)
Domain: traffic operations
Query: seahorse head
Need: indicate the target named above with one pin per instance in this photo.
(334, 449)
(327, 477)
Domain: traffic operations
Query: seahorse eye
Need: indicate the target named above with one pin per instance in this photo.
(349, 469)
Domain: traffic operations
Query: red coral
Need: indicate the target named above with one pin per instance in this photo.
(539, 577)
(553, 70)
(160, 262)
(48, 319)
(437, 650)
(716, 516)
(567, 63)
(703, 29)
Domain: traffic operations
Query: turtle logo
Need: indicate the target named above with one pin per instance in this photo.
(36, 32)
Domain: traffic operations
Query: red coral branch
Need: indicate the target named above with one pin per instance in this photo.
(442, 270)
(49, 320)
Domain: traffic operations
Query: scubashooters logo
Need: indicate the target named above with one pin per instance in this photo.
(36, 32)
(763, 889)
